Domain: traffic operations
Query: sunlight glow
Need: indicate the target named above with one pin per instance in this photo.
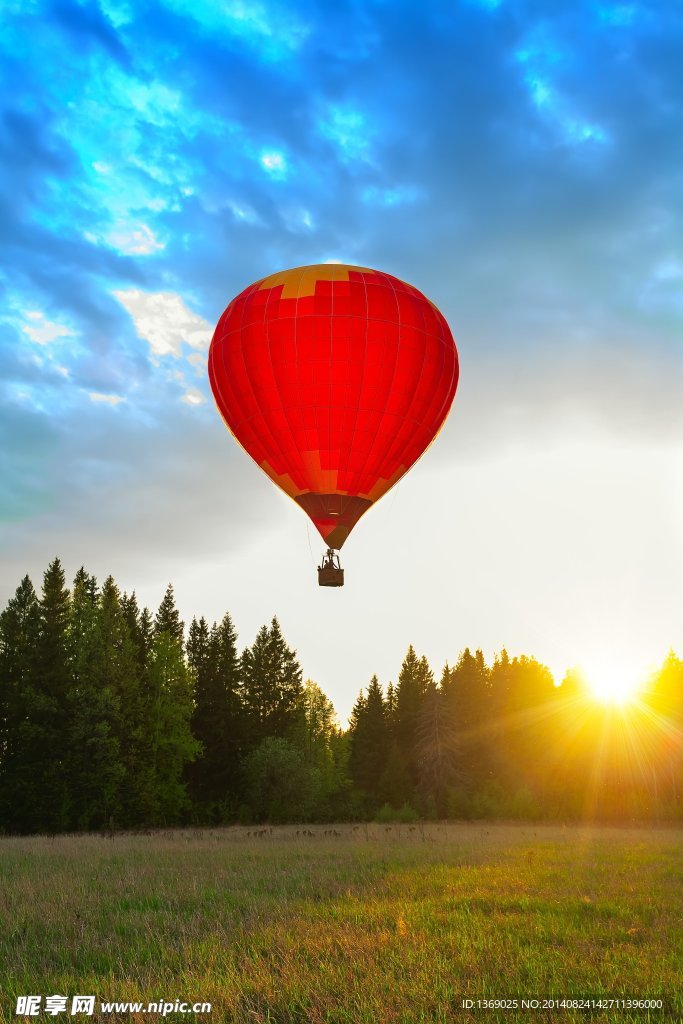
(611, 682)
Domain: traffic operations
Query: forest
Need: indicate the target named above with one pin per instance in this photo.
(112, 717)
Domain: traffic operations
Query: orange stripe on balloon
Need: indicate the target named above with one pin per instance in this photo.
(301, 281)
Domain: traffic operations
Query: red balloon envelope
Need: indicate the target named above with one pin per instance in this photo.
(334, 379)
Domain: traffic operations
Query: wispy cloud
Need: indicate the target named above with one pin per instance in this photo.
(95, 396)
(43, 331)
(164, 321)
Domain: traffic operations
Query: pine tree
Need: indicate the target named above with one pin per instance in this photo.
(197, 650)
(425, 675)
(466, 694)
(272, 688)
(103, 664)
(390, 705)
(19, 623)
(140, 627)
(217, 719)
(137, 720)
(369, 742)
(46, 790)
(167, 710)
(662, 732)
(168, 618)
(338, 801)
(504, 705)
(437, 747)
(413, 680)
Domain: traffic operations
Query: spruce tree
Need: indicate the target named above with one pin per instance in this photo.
(168, 618)
(466, 693)
(531, 712)
(46, 784)
(663, 729)
(413, 680)
(505, 767)
(390, 705)
(19, 623)
(272, 686)
(217, 718)
(137, 720)
(369, 743)
(103, 665)
(140, 627)
(437, 747)
(167, 709)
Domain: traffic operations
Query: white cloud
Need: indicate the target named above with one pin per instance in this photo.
(391, 196)
(163, 320)
(538, 57)
(135, 241)
(347, 129)
(297, 219)
(274, 163)
(118, 13)
(669, 270)
(43, 331)
(193, 397)
(244, 212)
(198, 360)
(275, 33)
(98, 396)
(621, 15)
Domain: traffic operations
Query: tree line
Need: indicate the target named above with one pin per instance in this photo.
(110, 717)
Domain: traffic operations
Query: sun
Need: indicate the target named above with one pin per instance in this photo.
(610, 681)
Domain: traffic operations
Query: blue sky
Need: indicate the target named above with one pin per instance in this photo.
(519, 161)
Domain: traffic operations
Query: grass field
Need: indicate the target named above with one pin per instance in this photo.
(373, 924)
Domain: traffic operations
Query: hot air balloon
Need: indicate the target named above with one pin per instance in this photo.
(335, 379)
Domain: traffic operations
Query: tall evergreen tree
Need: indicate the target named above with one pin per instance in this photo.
(137, 719)
(521, 691)
(140, 627)
(103, 664)
(47, 783)
(390, 705)
(168, 710)
(168, 618)
(466, 693)
(663, 699)
(217, 719)
(437, 748)
(272, 688)
(198, 657)
(369, 742)
(19, 624)
(413, 679)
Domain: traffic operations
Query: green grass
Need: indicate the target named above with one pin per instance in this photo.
(376, 925)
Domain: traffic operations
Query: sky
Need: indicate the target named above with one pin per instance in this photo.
(518, 161)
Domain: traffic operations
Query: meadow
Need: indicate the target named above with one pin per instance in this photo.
(346, 924)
